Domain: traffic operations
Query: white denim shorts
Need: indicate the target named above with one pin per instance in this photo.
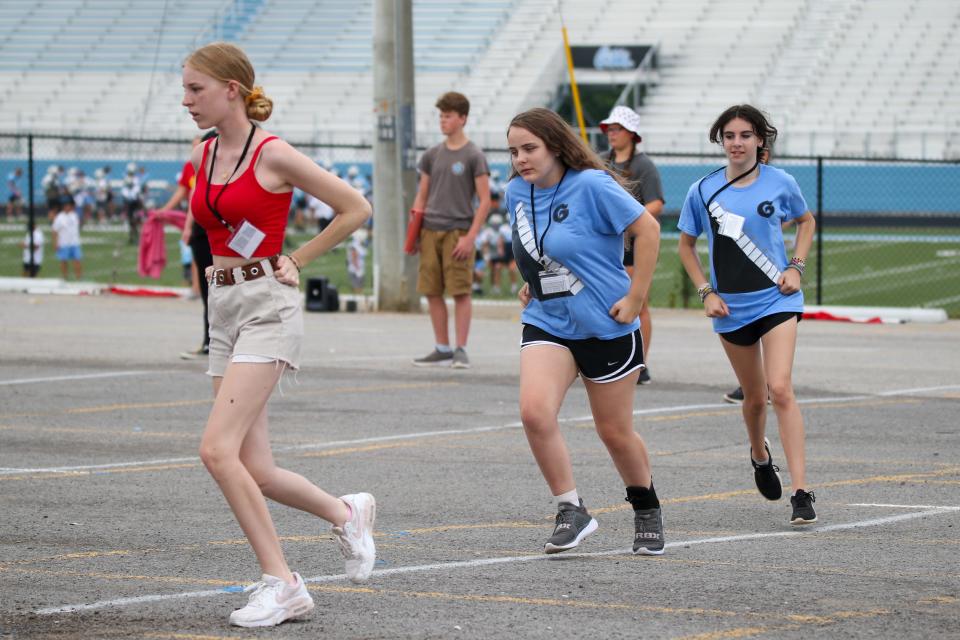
(254, 321)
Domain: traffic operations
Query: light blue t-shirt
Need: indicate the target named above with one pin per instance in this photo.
(773, 198)
(587, 214)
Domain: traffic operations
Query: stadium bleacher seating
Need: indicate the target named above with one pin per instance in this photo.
(839, 77)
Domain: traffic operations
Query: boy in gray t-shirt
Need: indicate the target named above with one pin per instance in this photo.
(452, 175)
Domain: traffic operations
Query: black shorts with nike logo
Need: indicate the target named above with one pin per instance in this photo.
(598, 360)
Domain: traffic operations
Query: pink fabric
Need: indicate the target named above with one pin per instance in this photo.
(153, 249)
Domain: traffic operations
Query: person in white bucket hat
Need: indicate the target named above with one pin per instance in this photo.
(622, 128)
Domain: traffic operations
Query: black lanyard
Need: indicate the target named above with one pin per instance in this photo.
(706, 205)
(533, 214)
(213, 161)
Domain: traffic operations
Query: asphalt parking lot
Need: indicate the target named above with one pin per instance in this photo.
(111, 527)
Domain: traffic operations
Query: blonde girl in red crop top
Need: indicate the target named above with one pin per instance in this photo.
(246, 177)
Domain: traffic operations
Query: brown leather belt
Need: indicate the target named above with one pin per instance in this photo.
(251, 271)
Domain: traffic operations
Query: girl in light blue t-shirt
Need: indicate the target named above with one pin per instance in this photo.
(753, 294)
(568, 217)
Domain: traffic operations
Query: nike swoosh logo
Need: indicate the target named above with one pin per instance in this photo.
(610, 364)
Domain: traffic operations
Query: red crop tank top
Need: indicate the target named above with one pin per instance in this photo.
(244, 200)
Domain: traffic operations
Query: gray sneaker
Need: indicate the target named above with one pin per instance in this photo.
(435, 359)
(573, 524)
(460, 359)
(648, 539)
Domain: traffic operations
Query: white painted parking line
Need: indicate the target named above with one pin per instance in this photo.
(309, 446)
(483, 562)
(79, 376)
(902, 506)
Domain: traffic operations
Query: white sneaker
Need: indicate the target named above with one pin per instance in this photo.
(272, 602)
(356, 536)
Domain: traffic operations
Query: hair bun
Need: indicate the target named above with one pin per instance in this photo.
(259, 106)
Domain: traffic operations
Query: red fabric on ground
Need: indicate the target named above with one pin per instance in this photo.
(823, 315)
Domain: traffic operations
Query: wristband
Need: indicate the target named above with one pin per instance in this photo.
(796, 267)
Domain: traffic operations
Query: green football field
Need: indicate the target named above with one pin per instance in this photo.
(861, 267)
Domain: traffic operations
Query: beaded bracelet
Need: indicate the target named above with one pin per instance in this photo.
(799, 264)
(704, 291)
(294, 261)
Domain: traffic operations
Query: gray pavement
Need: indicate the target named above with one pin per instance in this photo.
(111, 528)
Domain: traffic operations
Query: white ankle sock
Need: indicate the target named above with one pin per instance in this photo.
(569, 496)
(443, 348)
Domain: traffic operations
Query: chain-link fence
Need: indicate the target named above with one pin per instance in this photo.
(888, 231)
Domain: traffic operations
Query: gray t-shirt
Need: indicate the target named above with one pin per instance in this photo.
(452, 187)
(643, 177)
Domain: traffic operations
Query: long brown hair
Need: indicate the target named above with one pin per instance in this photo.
(560, 140)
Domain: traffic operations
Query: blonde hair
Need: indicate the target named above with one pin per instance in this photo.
(227, 62)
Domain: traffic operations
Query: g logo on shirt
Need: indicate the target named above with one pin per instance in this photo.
(766, 209)
(457, 168)
(561, 212)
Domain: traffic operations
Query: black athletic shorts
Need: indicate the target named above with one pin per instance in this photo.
(627, 251)
(749, 334)
(598, 360)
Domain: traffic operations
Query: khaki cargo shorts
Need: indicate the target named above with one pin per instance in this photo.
(439, 271)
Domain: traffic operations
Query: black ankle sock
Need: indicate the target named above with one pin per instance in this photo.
(642, 497)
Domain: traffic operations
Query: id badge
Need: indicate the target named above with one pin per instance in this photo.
(732, 225)
(556, 281)
(245, 239)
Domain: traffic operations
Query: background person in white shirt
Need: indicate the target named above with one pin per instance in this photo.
(66, 230)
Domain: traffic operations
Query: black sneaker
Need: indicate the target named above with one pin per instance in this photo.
(644, 376)
(648, 539)
(202, 352)
(767, 475)
(573, 524)
(802, 503)
(734, 397)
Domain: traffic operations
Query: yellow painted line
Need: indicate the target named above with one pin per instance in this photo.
(742, 632)
(747, 632)
(551, 602)
(64, 573)
(192, 465)
(202, 401)
(672, 417)
(462, 527)
(585, 604)
(734, 410)
(373, 447)
(804, 569)
(185, 636)
(134, 405)
(903, 477)
(726, 495)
